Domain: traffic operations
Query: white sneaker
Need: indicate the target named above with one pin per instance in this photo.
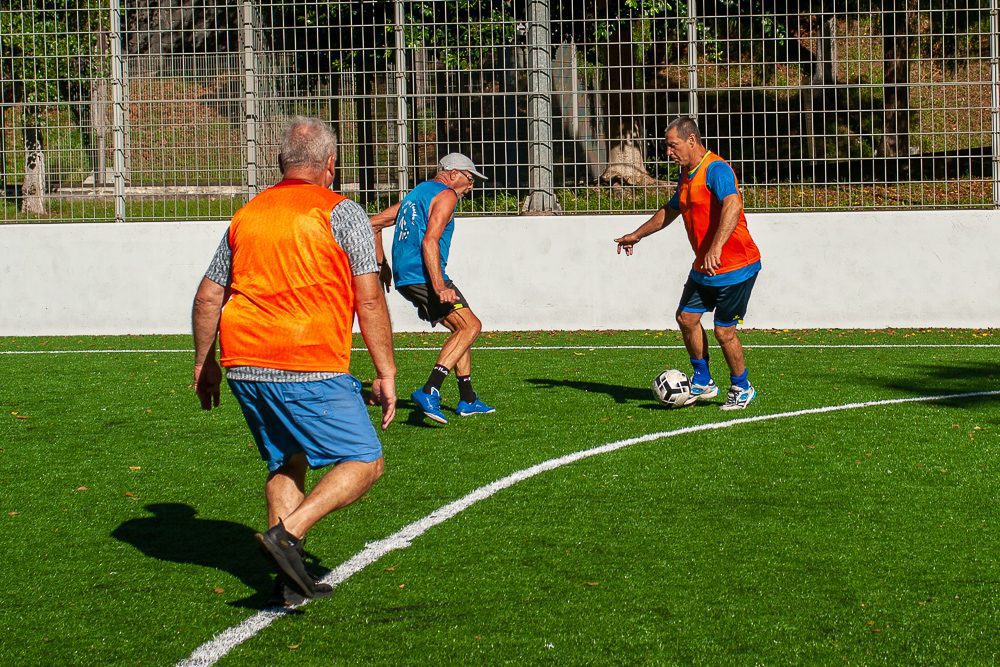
(739, 398)
(703, 392)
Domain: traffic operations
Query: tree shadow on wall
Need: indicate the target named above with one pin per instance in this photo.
(175, 534)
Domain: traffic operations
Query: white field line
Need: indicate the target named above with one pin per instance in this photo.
(527, 348)
(210, 652)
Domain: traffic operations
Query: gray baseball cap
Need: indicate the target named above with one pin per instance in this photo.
(459, 162)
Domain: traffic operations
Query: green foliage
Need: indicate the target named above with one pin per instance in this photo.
(45, 46)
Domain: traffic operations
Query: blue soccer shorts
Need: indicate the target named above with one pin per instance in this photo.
(728, 301)
(326, 420)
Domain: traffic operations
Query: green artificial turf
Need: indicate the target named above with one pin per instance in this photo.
(866, 536)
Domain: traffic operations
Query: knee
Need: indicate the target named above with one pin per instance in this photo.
(725, 334)
(687, 321)
(471, 325)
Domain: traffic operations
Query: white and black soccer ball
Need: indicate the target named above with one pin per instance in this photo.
(672, 388)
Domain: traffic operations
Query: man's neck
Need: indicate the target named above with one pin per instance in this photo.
(701, 159)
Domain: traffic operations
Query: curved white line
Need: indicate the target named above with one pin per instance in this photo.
(210, 652)
(528, 348)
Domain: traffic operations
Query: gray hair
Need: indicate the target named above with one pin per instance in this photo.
(306, 142)
(685, 126)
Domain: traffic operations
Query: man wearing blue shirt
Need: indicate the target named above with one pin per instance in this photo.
(425, 221)
(726, 259)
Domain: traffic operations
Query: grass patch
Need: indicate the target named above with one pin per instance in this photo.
(864, 536)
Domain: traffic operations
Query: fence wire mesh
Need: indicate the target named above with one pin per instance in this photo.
(117, 110)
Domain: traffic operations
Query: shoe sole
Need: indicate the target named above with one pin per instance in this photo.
(437, 418)
(473, 414)
(440, 419)
(276, 555)
(704, 396)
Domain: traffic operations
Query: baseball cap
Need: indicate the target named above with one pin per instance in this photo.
(459, 162)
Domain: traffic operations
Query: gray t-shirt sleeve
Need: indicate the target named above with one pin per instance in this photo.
(353, 232)
(220, 268)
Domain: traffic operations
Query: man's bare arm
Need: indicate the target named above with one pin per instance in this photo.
(386, 218)
(728, 219)
(441, 210)
(376, 329)
(205, 315)
(663, 217)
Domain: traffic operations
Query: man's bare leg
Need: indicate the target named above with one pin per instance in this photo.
(456, 353)
(340, 487)
(732, 349)
(695, 337)
(285, 489)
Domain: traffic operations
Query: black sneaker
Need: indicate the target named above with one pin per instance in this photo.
(284, 595)
(282, 549)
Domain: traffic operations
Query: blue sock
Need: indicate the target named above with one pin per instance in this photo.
(741, 380)
(701, 374)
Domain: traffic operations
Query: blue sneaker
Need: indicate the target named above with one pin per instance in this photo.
(430, 404)
(738, 397)
(703, 392)
(477, 407)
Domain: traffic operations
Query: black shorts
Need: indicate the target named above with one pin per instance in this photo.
(429, 307)
(728, 301)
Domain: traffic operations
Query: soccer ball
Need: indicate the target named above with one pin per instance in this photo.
(672, 388)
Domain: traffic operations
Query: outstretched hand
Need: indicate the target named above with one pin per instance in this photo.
(627, 243)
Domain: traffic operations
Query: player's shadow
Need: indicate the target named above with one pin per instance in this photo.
(416, 416)
(174, 533)
(958, 377)
(617, 392)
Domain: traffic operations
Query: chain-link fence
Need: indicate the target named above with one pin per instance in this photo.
(118, 110)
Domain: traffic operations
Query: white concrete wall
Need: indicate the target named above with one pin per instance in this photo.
(872, 270)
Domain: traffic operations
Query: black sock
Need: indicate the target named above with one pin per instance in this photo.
(465, 391)
(436, 379)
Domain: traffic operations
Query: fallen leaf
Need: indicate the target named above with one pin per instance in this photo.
(135, 467)
(22, 416)
(294, 646)
(129, 494)
(402, 585)
(12, 513)
(218, 590)
(81, 488)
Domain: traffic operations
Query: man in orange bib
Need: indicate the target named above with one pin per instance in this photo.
(294, 268)
(726, 259)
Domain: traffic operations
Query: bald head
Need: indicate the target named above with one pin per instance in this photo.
(307, 144)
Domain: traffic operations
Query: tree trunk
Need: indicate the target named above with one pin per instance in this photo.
(896, 78)
(626, 148)
(816, 99)
(33, 188)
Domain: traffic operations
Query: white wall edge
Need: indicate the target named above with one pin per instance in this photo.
(826, 270)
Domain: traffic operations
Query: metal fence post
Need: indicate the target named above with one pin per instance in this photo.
(118, 109)
(250, 100)
(541, 198)
(692, 34)
(995, 95)
(402, 136)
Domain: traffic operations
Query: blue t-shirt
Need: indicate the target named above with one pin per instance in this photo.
(720, 179)
(411, 226)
